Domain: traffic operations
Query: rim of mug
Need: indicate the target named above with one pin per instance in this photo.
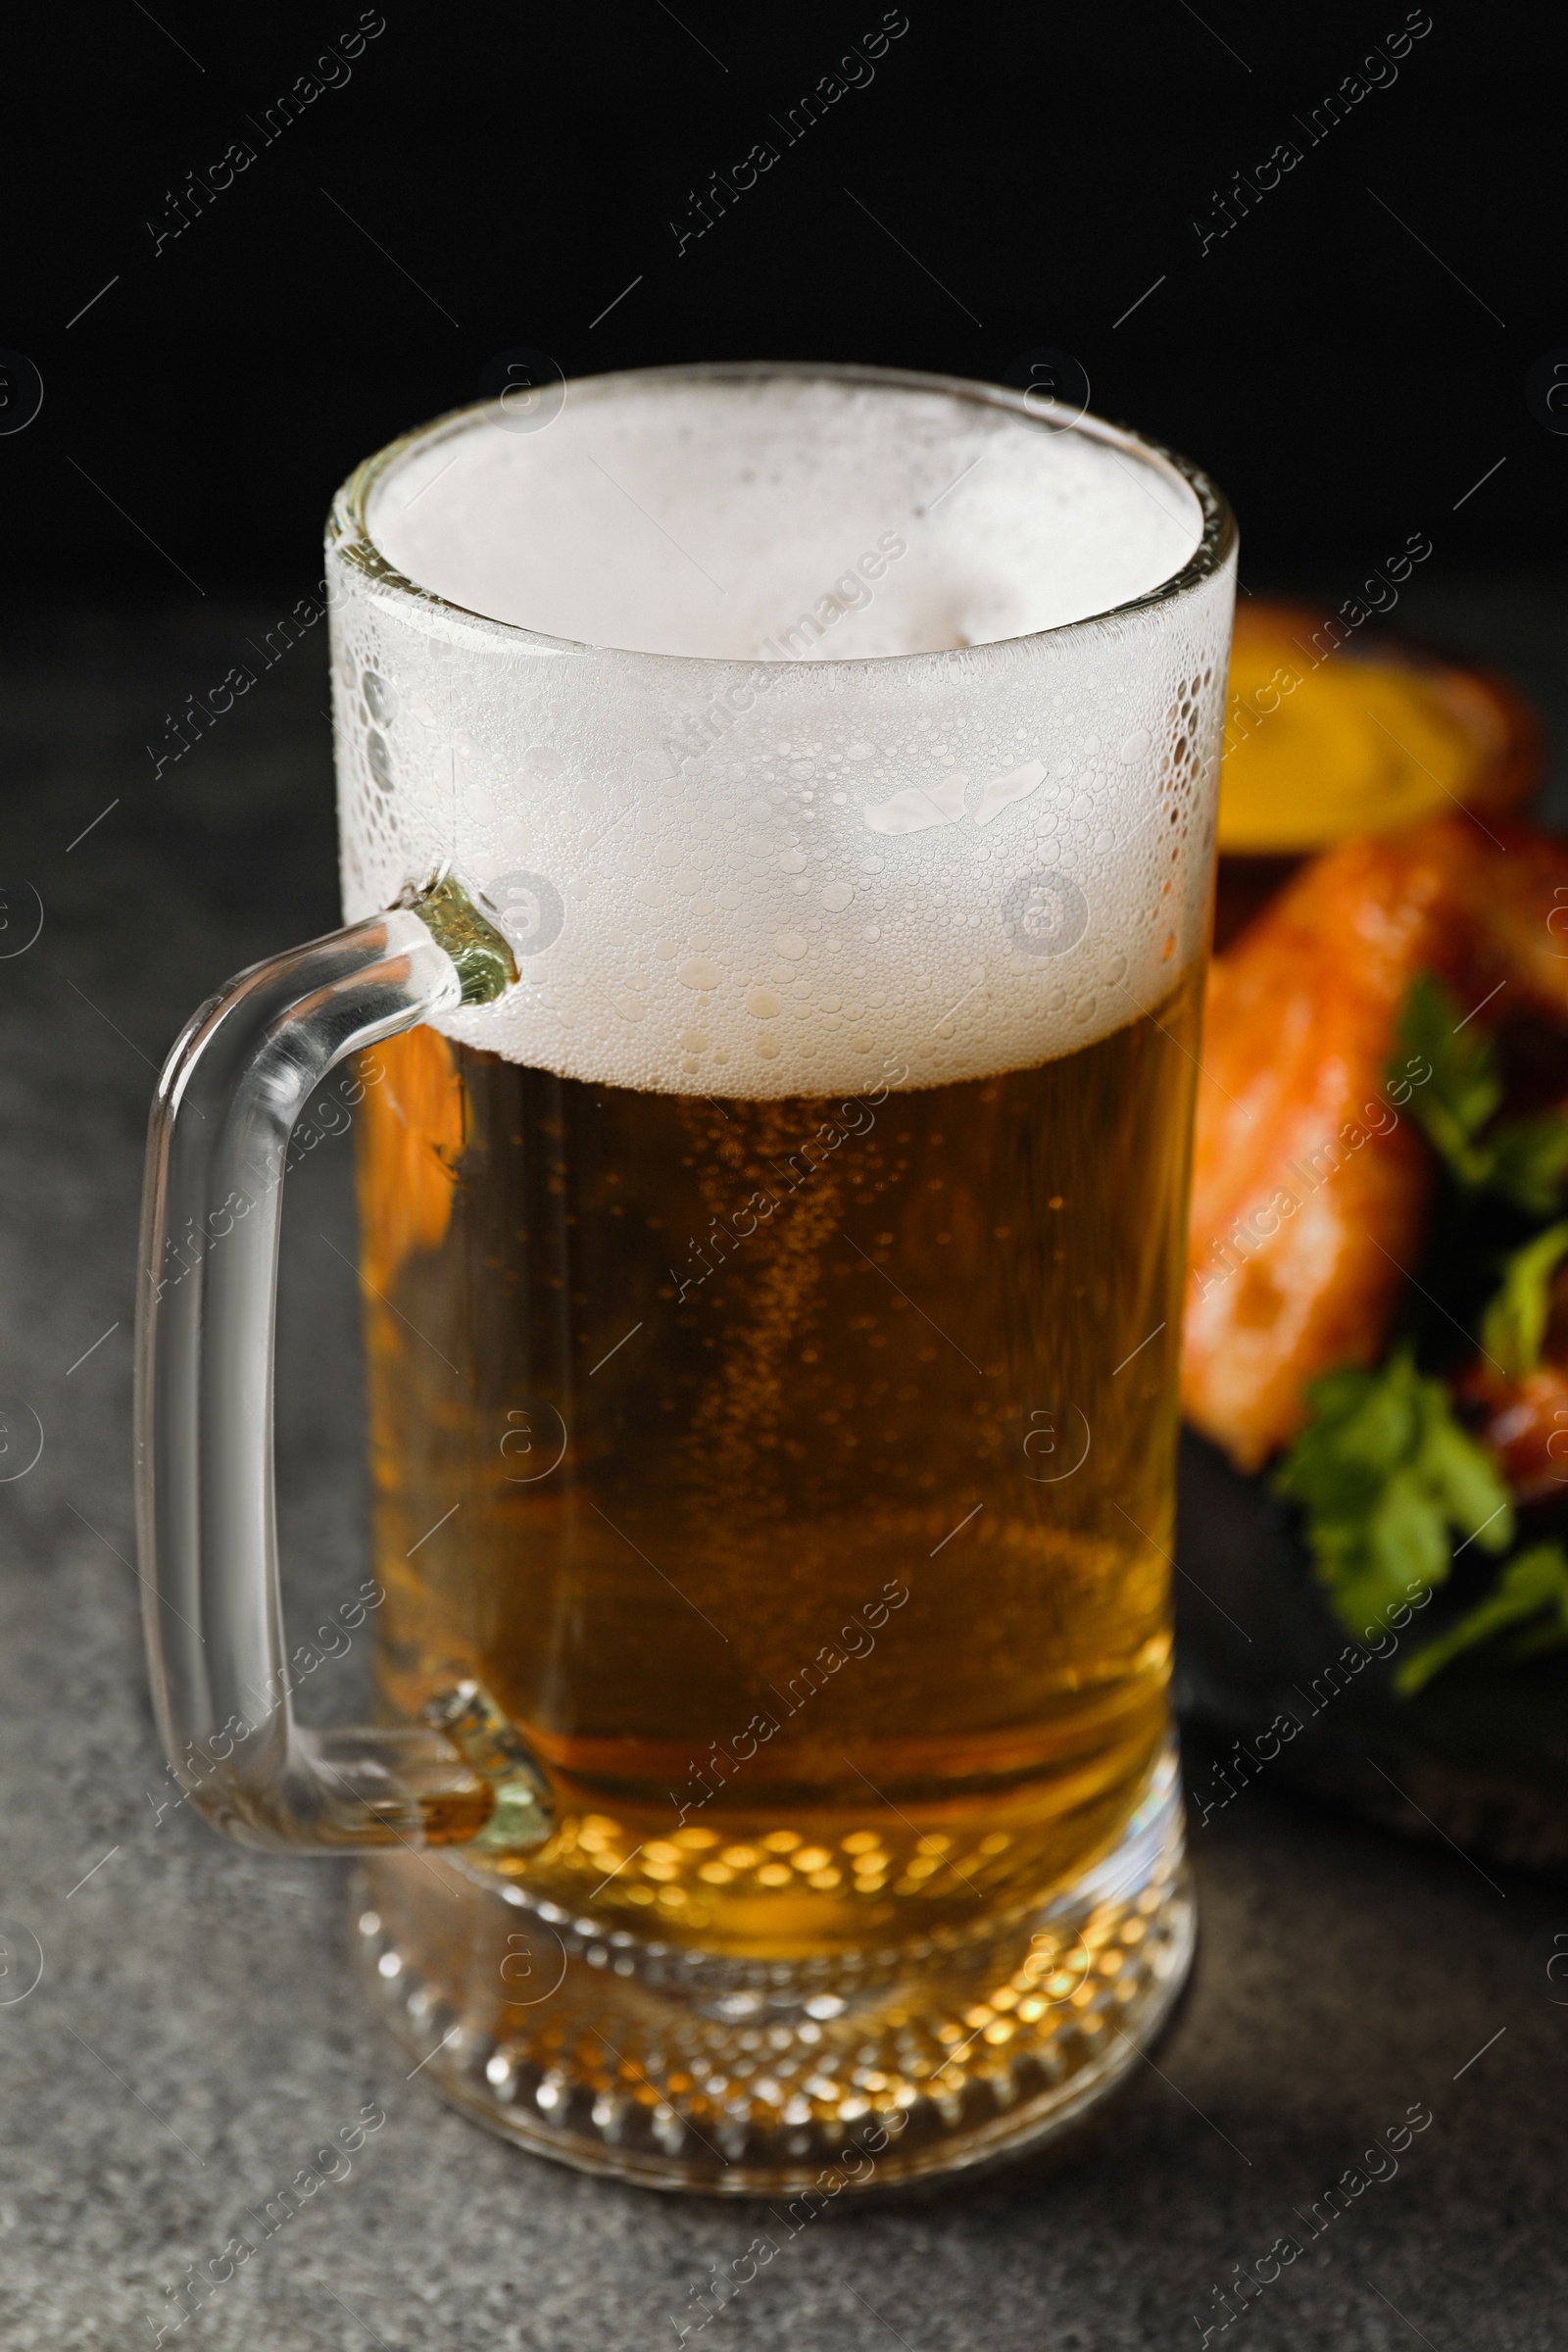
(351, 540)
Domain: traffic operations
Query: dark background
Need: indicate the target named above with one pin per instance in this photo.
(1347, 376)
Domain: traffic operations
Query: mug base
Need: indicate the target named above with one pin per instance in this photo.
(685, 2069)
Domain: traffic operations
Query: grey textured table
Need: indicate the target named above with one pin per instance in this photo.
(195, 2034)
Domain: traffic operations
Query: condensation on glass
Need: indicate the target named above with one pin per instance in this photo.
(777, 827)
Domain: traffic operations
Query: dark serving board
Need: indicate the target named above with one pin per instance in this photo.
(1479, 1756)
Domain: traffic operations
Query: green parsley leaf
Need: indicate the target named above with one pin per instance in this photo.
(1533, 1586)
(1526, 1160)
(1383, 1473)
(1465, 1089)
(1530, 1160)
(1514, 1325)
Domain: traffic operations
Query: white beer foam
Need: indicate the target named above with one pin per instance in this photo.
(779, 877)
(708, 517)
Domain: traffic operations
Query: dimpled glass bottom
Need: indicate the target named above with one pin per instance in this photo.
(687, 2069)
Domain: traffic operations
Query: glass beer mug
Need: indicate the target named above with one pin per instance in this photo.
(777, 839)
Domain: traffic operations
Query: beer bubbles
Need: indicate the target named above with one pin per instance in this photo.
(786, 864)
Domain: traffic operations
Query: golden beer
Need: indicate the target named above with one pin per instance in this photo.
(796, 1476)
(771, 1266)
(776, 818)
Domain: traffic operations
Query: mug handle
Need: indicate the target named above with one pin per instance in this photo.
(236, 1081)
